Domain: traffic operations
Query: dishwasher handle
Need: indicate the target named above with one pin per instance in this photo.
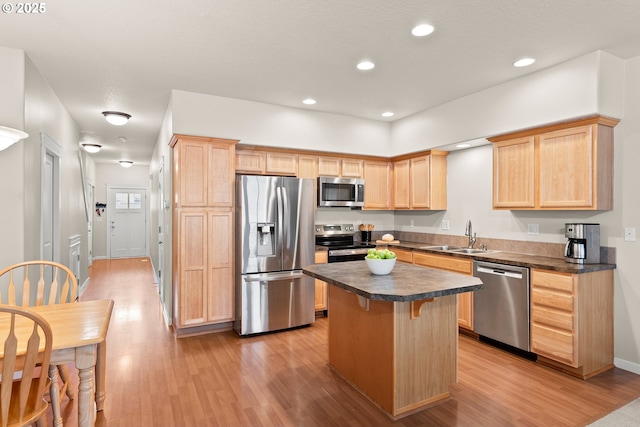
(500, 272)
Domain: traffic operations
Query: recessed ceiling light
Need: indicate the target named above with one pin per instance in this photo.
(116, 118)
(463, 145)
(91, 148)
(387, 114)
(126, 163)
(524, 62)
(422, 30)
(366, 65)
(309, 101)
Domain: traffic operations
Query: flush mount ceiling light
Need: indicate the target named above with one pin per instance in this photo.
(116, 118)
(366, 65)
(91, 148)
(309, 101)
(126, 163)
(524, 62)
(9, 136)
(463, 145)
(422, 30)
(387, 114)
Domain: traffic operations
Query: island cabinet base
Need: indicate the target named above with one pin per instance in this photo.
(402, 355)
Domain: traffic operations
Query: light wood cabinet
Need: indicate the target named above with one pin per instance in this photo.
(377, 190)
(458, 265)
(402, 255)
(203, 184)
(322, 257)
(572, 320)
(420, 182)
(251, 161)
(307, 166)
(338, 167)
(282, 164)
(567, 166)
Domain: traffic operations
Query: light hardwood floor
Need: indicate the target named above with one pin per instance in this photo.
(282, 379)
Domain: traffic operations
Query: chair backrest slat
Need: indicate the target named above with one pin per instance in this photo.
(56, 283)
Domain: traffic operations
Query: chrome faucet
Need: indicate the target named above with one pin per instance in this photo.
(472, 236)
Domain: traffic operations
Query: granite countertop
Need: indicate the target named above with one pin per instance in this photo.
(512, 258)
(406, 282)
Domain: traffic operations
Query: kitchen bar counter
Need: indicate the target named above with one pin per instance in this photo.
(512, 258)
(394, 338)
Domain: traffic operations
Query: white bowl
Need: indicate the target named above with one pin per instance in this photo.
(380, 266)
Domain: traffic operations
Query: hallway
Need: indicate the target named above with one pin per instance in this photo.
(282, 379)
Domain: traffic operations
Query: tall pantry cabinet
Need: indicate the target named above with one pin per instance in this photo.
(203, 201)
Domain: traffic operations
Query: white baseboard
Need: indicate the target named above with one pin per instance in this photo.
(83, 286)
(626, 365)
(99, 257)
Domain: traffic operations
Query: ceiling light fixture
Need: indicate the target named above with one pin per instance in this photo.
(524, 62)
(309, 101)
(366, 65)
(116, 118)
(126, 163)
(463, 145)
(9, 136)
(91, 148)
(387, 114)
(422, 30)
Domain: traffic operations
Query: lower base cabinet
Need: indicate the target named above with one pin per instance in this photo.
(322, 257)
(458, 265)
(572, 320)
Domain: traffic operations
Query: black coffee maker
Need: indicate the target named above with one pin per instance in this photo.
(583, 243)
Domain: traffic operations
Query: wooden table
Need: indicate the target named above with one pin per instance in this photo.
(79, 336)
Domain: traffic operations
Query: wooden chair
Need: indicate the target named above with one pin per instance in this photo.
(42, 283)
(26, 351)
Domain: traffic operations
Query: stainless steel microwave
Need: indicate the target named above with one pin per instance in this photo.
(340, 192)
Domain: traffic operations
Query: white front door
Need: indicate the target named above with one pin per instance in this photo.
(127, 216)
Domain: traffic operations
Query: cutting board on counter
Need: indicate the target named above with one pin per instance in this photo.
(384, 242)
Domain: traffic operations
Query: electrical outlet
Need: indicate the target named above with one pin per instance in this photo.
(533, 228)
(445, 224)
(630, 234)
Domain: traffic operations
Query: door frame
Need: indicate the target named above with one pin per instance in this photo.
(146, 219)
(49, 146)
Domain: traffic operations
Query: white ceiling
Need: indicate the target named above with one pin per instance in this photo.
(127, 55)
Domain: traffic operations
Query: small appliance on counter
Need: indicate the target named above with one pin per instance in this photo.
(583, 243)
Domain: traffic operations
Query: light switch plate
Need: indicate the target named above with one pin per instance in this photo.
(533, 228)
(445, 224)
(630, 234)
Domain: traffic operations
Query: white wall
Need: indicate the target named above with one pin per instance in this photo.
(271, 125)
(586, 85)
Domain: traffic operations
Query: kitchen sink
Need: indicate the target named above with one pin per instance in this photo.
(471, 251)
(442, 248)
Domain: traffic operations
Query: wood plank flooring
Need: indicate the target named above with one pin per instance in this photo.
(282, 379)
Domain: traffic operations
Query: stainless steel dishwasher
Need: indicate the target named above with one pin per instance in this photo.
(501, 307)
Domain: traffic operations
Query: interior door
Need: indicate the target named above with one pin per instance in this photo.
(48, 192)
(127, 218)
(161, 202)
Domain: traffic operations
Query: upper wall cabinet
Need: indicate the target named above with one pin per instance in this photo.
(335, 166)
(204, 171)
(377, 189)
(567, 166)
(271, 163)
(420, 182)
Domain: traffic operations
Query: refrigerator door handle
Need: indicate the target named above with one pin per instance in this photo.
(281, 226)
(273, 277)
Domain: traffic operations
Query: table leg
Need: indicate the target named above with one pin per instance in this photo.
(86, 364)
(100, 375)
(54, 394)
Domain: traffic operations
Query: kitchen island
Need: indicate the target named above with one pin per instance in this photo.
(394, 337)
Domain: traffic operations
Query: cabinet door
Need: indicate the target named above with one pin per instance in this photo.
(250, 161)
(328, 166)
(420, 182)
(377, 178)
(567, 168)
(352, 168)
(401, 185)
(192, 173)
(220, 175)
(514, 173)
(307, 167)
(192, 262)
(403, 255)
(322, 257)
(282, 164)
(221, 297)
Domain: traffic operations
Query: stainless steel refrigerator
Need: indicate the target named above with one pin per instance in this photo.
(274, 240)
